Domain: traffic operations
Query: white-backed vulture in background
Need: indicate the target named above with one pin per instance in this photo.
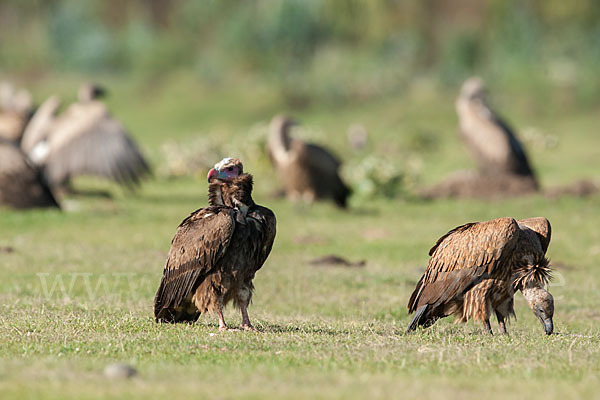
(307, 171)
(84, 140)
(489, 139)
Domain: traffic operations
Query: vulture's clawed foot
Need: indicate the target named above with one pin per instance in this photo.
(248, 327)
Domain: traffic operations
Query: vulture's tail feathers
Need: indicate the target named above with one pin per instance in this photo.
(417, 318)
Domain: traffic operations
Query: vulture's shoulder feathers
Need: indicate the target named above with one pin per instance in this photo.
(541, 226)
(268, 223)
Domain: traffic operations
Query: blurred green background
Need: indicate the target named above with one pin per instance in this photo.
(197, 80)
(332, 51)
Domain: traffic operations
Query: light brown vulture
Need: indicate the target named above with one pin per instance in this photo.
(309, 172)
(216, 251)
(15, 110)
(475, 269)
(83, 140)
(490, 140)
(21, 183)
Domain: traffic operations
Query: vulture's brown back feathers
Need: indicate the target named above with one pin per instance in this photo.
(461, 259)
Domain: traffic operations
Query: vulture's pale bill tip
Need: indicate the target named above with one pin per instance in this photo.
(226, 169)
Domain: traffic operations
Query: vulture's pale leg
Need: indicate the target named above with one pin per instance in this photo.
(487, 326)
(501, 324)
(222, 324)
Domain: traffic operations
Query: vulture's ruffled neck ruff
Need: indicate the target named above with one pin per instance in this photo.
(236, 193)
(529, 276)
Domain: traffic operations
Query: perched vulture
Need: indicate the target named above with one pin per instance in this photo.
(84, 140)
(491, 141)
(15, 111)
(216, 251)
(475, 269)
(21, 183)
(308, 171)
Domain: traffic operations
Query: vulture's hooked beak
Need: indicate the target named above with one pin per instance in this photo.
(548, 325)
(211, 174)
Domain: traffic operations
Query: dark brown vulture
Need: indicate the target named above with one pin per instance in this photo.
(309, 172)
(491, 141)
(216, 251)
(21, 183)
(84, 140)
(475, 269)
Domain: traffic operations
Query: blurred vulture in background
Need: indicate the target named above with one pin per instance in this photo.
(84, 140)
(15, 110)
(308, 171)
(475, 269)
(489, 139)
(503, 167)
(21, 183)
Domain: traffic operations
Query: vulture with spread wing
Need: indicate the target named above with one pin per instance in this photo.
(475, 269)
(491, 141)
(21, 183)
(84, 140)
(308, 171)
(216, 251)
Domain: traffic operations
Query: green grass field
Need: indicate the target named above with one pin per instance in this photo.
(77, 286)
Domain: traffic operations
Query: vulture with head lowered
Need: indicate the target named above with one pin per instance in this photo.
(476, 268)
(308, 171)
(216, 251)
(83, 140)
(491, 141)
(21, 183)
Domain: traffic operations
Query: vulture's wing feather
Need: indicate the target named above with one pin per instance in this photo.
(320, 158)
(517, 148)
(197, 248)
(100, 146)
(268, 226)
(464, 256)
(541, 226)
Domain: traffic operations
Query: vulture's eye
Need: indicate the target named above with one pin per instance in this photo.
(230, 169)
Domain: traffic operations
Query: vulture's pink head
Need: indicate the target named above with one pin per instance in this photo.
(226, 170)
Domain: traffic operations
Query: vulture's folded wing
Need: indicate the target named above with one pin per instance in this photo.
(197, 248)
(462, 257)
(268, 226)
(99, 147)
(518, 151)
(319, 158)
(541, 226)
